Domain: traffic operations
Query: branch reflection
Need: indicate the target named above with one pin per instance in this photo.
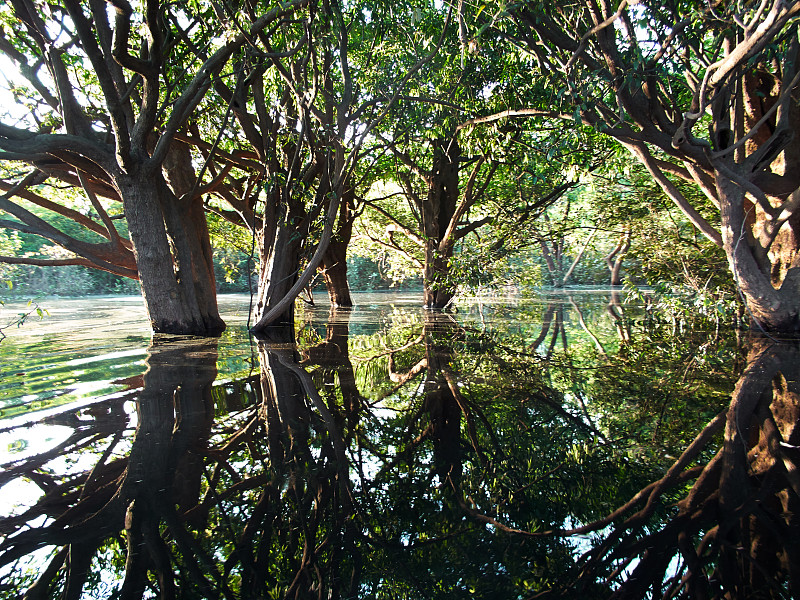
(136, 486)
(732, 534)
(429, 459)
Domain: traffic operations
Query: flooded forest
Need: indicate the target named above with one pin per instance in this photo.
(399, 300)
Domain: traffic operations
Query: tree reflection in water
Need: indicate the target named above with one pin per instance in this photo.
(733, 531)
(138, 493)
(429, 459)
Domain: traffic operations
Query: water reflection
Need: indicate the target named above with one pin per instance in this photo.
(433, 456)
(733, 531)
(137, 486)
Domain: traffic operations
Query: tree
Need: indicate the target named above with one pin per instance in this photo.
(649, 75)
(294, 180)
(105, 118)
(442, 173)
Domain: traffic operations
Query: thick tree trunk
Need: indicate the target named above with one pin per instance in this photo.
(173, 256)
(281, 240)
(761, 237)
(437, 210)
(185, 218)
(769, 280)
(335, 275)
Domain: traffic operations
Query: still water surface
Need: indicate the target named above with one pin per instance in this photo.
(565, 445)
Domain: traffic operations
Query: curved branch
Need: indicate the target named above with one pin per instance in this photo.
(674, 194)
(67, 262)
(69, 213)
(21, 144)
(511, 113)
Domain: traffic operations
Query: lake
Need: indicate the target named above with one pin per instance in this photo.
(564, 445)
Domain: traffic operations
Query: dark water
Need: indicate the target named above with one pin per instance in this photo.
(557, 446)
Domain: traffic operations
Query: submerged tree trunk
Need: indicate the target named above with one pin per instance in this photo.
(279, 252)
(173, 256)
(437, 209)
(285, 229)
(334, 261)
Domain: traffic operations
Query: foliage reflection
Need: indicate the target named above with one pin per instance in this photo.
(432, 457)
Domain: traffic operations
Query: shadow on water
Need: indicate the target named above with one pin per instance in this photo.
(432, 456)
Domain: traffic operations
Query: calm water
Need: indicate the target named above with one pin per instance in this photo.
(557, 445)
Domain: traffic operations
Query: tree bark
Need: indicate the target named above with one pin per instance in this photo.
(334, 261)
(279, 253)
(552, 268)
(615, 258)
(172, 250)
(437, 210)
(773, 301)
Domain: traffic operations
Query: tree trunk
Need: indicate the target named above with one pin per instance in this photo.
(437, 210)
(334, 261)
(615, 258)
(768, 280)
(335, 275)
(186, 220)
(616, 271)
(173, 256)
(578, 258)
(552, 269)
(279, 251)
